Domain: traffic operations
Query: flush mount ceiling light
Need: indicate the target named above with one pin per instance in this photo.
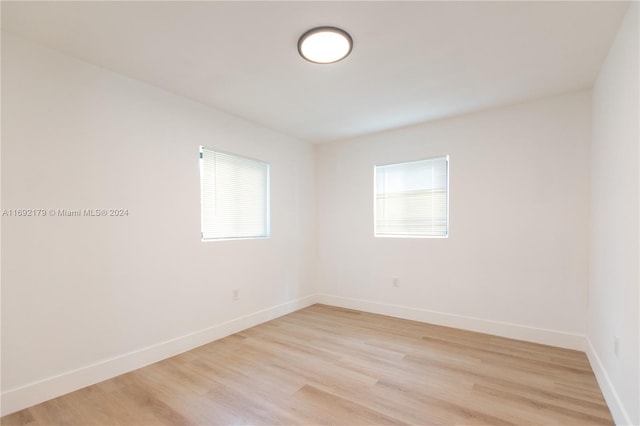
(325, 45)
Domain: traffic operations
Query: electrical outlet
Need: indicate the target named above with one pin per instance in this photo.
(616, 346)
(235, 295)
(395, 282)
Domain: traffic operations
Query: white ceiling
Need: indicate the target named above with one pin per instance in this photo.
(411, 61)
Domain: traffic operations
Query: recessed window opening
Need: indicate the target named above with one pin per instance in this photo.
(412, 199)
(234, 196)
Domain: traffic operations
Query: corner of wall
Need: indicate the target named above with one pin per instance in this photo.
(620, 415)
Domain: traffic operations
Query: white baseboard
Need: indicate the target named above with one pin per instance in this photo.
(496, 328)
(620, 415)
(34, 393)
(52, 387)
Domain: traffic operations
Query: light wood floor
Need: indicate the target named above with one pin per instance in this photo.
(325, 365)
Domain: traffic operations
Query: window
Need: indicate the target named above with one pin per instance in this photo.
(412, 199)
(234, 196)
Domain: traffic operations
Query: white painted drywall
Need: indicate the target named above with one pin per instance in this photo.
(80, 290)
(86, 290)
(614, 251)
(517, 250)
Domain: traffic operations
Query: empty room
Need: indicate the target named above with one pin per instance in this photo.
(301, 213)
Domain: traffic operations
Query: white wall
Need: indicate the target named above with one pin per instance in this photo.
(515, 262)
(99, 296)
(86, 298)
(614, 254)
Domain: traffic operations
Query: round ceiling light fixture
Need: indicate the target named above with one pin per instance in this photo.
(325, 45)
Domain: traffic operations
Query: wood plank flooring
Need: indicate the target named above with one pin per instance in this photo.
(326, 365)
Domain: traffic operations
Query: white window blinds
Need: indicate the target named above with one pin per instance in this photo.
(412, 199)
(234, 196)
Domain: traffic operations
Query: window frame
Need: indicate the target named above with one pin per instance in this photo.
(267, 196)
(448, 197)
